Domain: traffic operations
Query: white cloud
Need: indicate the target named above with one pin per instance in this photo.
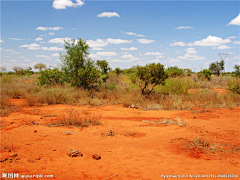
(184, 27)
(97, 43)
(55, 55)
(74, 28)
(16, 39)
(223, 47)
(97, 48)
(59, 40)
(55, 48)
(192, 57)
(22, 57)
(49, 28)
(160, 56)
(106, 53)
(235, 21)
(43, 56)
(123, 60)
(63, 4)
(11, 50)
(127, 56)
(43, 35)
(94, 56)
(12, 60)
(118, 41)
(27, 60)
(1, 40)
(236, 42)
(154, 53)
(133, 34)
(180, 43)
(172, 59)
(168, 49)
(108, 14)
(38, 39)
(191, 50)
(33, 46)
(232, 37)
(237, 57)
(231, 53)
(145, 41)
(177, 51)
(0, 48)
(210, 41)
(6, 56)
(154, 61)
(129, 49)
(51, 33)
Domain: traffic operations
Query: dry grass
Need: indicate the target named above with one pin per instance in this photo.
(76, 119)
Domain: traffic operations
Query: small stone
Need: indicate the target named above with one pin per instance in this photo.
(74, 153)
(54, 150)
(13, 154)
(35, 131)
(96, 156)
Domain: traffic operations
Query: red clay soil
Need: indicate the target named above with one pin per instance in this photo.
(139, 148)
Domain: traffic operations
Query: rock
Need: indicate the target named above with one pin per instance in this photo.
(74, 153)
(13, 154)
(69, 132)
(96, 156)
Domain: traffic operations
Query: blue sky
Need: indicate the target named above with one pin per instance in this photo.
(188, 34)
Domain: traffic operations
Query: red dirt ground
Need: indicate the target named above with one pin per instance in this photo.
(140, 148)
(220, 91)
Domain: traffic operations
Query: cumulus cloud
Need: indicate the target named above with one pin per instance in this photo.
(97, 48)
(42, 56)
(222, 47)
(123, 60)
(177, 51)
(133, 34)
(118, 41)
(12, 60)
(55, 55)
(49, 28)
(192, 57)
(63, 4)
(94, 56)
(106, 53)
(145, 41)
(97, 43)
(33, 46)
(59, 40)
(55, 48)
(11, 50)
(210, 41)
(232, 37)
(127, 56)
(38, 39)
(235, 21)
(184, 27)
(180, 43)
(191, 50)
(27, 60)
(108, 14)
(1, 40)
(129, 49)
(16, 39)
(172, 59)
(51, 33)
(21, 57)
(160, 56)
(236, 42)
(154, 53)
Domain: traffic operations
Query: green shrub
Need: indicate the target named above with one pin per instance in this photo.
(51, 77)
(174, 71)
(205, 74)
(234, 85)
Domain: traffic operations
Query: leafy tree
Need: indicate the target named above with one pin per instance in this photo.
(74, 59)
(205, 74)
(188, 72)
(18, 70)
(149, 76)
(174, 71)
(237, 70)
(40, 66)
(217, 67)
(103, 65)
(3, 69)
(118, 71)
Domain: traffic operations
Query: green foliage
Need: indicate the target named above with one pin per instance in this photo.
(74, 59)
(237, 70)
(234, 85)
(174, 71)
(217, 67)
(149, 76)
(103, 65)
(205, 74)
(89, 76)
(174, 86)
(130, 70)
(40, 66)
(188, 72)
(118, 71)
(51, 77)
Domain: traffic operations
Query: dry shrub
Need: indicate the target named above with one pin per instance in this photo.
(74, 118)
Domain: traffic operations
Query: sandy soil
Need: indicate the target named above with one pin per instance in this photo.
(141, 147)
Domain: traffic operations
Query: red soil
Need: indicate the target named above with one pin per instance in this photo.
(138, 150)
(220, 91)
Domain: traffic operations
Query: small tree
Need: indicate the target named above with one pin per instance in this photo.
(217, 67)
(40, 66)
(103, 65)
(3, 69)
(149, 76)
(205, 74)
(174, 71)
(74, 59)
(18, 70)
(237, 70)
